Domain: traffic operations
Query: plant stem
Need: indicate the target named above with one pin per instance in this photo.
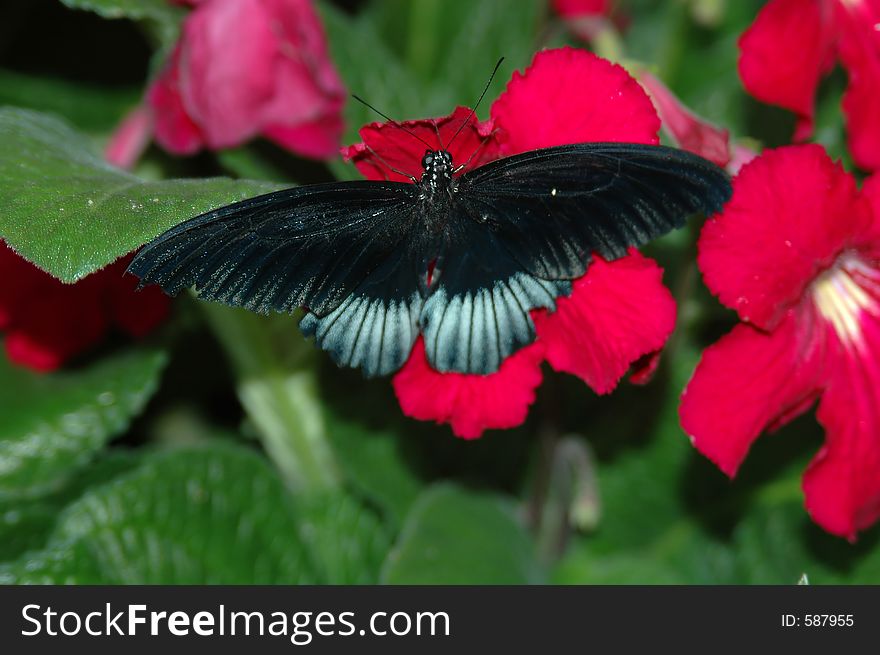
(278, 390)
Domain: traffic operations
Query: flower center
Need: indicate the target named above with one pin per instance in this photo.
(843, 292)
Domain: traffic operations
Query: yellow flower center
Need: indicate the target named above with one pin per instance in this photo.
(843, 292)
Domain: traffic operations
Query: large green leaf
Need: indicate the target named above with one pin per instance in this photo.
(200, 516)
(25, 524)
(346, 540)
(456, 536)
(71, 213)
(53, 424)
(374, 464)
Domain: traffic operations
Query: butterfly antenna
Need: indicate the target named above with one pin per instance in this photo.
(474, 110)
(474, 153)
(394, 170)
(391, 120)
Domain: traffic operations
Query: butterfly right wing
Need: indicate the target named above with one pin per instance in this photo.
(348, 252)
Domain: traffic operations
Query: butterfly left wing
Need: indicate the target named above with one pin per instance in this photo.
(348, 252)
(522, 227)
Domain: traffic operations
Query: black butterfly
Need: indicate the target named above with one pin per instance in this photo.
(461, 260)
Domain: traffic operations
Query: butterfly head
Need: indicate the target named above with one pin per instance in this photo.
(437, 169)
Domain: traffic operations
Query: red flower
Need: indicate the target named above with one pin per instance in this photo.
(585, 18)
(793, 43)
(48, 322)
(243, 68)
(685, 128)
(796, 252)
(617, 312)
(577, 8)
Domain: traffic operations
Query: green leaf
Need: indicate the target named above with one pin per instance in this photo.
(133, 9)
(160, 13)
(194, 516)
(670, 517)
(346, 539)
(70, 213)
(25, 524)
(374, 465)
(381, 77)
(491, 29)
(53, 424)
(456, 536)
(90, 107)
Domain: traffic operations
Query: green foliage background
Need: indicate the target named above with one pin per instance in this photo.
(225, 449)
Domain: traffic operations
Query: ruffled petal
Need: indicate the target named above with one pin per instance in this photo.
(617, 312)
(175, 130)
(571, 96)
(842, 484)
(687, 130)
(746, 382)
(470, 403)
(785, 52)
(395, 148)
(793, 210)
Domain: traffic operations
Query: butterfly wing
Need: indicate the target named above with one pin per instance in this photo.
(523, 226)
(349, 252)
(551, 209)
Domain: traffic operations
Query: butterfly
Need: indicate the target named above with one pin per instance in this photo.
(461, 260)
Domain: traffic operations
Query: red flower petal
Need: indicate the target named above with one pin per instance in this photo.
(318, 139)
(305, 111)
(687, 129)
(576, 8)
(741, 156)
(571, 96)
(19, 280)
(225, 80)
(53, 327)
(785, 52)
(868, 241)
(860, 52)
(643, 369)
(471, 403)
(744, 383)
(175, 130)
(247, 66)
(397, 149)
(136, 312)
(617, 312)
(791, 213)
(842, 485)
(130, 139)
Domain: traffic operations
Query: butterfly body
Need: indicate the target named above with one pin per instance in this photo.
(460, 259)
